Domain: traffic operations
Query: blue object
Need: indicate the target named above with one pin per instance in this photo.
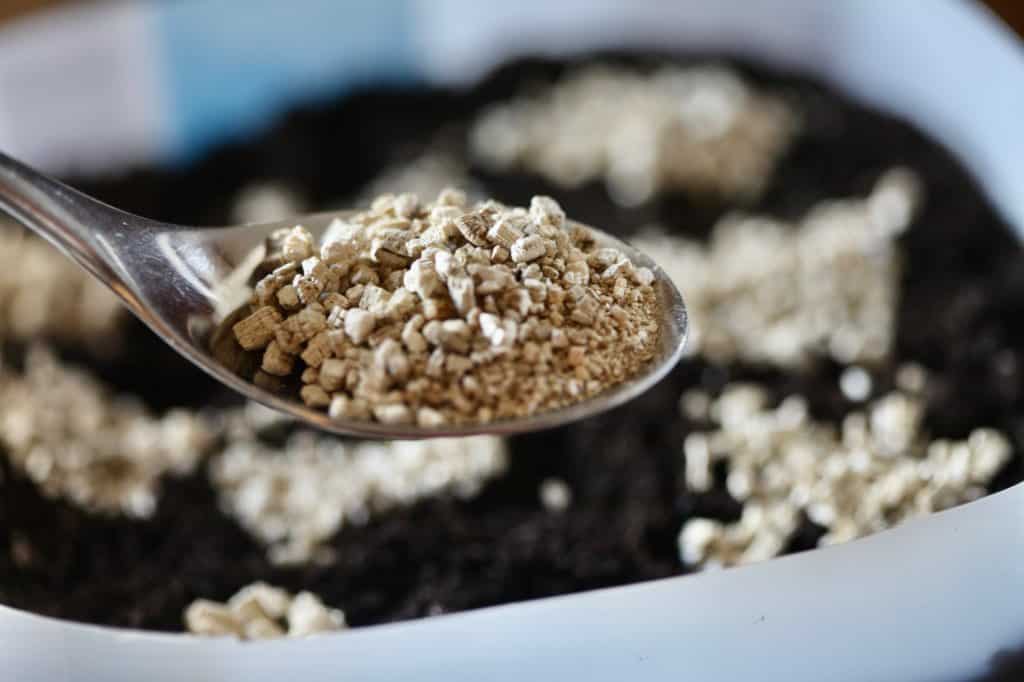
(233, 65)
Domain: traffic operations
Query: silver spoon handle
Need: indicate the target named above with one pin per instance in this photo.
(73, 222)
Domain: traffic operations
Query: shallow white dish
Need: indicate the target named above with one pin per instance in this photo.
(931, 600)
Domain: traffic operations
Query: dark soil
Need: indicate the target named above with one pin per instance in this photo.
(963, 293)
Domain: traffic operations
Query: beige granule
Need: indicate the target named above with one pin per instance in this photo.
(295, 498)
(260, 611)
(699, 129)
(76, 441)
(448, 313)
(45, 295)
(266, 202)
(874, 470)
(555, 495)
(765, 291)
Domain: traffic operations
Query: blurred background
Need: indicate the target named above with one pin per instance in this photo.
(87, 87)
(1011, 11)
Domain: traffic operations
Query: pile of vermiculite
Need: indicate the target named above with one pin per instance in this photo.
(855, 363)
(447, 313)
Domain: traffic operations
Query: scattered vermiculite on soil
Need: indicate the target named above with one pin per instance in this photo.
(63, 430)
(448, 313)
(764, 291)
(44, 294)
(872, 471)
(914, 389)
(294, 499)
(699, 129)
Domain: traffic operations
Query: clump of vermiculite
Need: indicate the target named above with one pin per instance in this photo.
(447, 313)
(701, 129)
(262, 611)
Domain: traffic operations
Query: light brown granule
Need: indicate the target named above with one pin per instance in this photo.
(257, 330)
(260, 611)
(420, 323)
(77, 442)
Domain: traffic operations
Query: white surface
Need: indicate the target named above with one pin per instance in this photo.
(932, 600)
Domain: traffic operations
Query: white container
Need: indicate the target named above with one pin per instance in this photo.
(931, 600)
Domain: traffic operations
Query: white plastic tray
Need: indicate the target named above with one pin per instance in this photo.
(931, 600)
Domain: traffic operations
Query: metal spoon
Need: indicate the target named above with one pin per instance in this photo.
(185, 283)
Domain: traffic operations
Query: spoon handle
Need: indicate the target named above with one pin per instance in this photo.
(73, 222)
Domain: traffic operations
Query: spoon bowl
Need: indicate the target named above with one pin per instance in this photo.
(187, 283)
